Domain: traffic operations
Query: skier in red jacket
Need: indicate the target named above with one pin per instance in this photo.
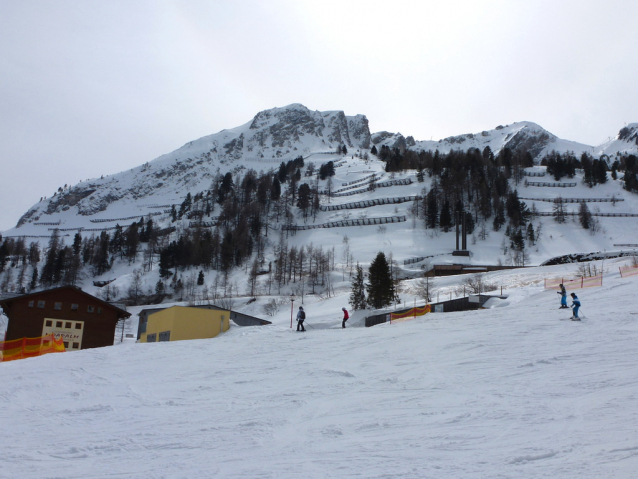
(345, 317)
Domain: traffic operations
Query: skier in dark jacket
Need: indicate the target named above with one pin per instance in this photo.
(345, 317)
(563, 297)
(575, 307)
(301, 316)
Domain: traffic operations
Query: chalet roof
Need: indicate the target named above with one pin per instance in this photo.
(120, 312)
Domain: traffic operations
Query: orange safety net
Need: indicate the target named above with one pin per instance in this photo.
(626, 271)
(588, 282)
(410, 313)
(30, 347)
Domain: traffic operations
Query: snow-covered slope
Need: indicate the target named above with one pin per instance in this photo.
(510, 392)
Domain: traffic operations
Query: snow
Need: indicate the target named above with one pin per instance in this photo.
(513, 391)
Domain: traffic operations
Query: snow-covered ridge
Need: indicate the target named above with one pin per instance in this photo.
(275, 135)
(625, 142)
(523, 135)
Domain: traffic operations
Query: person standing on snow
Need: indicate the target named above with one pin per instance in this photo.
(563, 297)
(575, 306)
(345, 317)
(301, 316)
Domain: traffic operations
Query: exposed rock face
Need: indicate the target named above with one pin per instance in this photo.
(65, 200)
(285, 128)
(531, 140)
(359, 131)
(391, 140)
(629, 133)
(381, 136)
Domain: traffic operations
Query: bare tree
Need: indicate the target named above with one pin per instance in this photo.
(134, 290)
(424, 288)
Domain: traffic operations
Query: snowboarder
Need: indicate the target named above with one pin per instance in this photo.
(345, 317)
(563, 297)
(575, 306)
(301, 316)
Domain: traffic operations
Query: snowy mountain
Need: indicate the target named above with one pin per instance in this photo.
(272, 136)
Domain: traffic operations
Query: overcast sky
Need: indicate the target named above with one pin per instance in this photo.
(96, 87)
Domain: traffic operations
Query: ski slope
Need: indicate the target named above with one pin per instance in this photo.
(509, 392)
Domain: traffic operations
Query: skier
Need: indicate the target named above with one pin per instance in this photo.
(301, 315)
(563, 296)
(345, 317)
(575, 306)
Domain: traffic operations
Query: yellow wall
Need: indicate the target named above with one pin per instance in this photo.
(187, 323)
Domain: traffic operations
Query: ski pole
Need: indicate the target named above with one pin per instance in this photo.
(308, 324)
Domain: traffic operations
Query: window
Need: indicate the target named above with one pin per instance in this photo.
(78, 325)
(41, 304)
(99, 310)
(31, 304)
(57, 306)
(74, 307)
(48, 322)
(151, 338)
(76, 345)
(58, 324)
(66, 345)
(165, 336)
(90, 309)
(67, 325)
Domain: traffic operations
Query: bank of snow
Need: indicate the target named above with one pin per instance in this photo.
(513, 391)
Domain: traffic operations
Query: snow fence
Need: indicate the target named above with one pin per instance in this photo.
(354, 222)
(410, 314)
(578, 283)
(30, 347)
(626, 271)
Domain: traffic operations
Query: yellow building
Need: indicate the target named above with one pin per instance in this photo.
(180, 322)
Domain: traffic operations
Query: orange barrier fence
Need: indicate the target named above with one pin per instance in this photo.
(626, 271)
(588, 282)
(410, 313)
(30, 347)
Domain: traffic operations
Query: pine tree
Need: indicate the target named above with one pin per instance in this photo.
(531, 234)
(46, 277)
(358, 295)
(445, 220)
(34, 279)
(380, 286)
(159, 287)
(499, 218)
(584, 216)
(559, 210)
(200, 278)
(432, 209)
